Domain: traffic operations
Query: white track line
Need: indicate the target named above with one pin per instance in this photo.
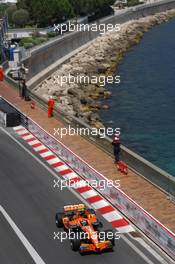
(100, 204)
(37, 259)
(40, 148)
(28, 137)
(36, 141)
(53, 161)
(112, 216)
(88, 194)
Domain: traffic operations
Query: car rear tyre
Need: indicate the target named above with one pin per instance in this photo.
(75, 244)
(110, 236)
(59, 219)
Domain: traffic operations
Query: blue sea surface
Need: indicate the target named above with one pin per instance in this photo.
(143, 105)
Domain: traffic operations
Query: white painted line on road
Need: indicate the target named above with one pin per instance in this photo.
(71, 176)
(22, 132)
(112, 216)
(99, 204)
(78, 184)
(46, 154)
(125, 229)
(53, 161)
(88, 194)
(36, 141)
(61, 168)
(37, 259)
(155, 254)
(28, 137)
(19, 127)
(137, 250)
(40, 148)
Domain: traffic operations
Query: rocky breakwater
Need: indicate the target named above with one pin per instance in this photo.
(100, 58)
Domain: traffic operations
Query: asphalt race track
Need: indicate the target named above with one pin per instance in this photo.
(29, 198)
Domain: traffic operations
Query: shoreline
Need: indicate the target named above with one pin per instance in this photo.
(100, 58)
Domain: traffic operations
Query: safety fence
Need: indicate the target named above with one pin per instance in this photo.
(136, 214)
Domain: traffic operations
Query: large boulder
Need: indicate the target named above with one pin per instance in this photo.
(103, 68)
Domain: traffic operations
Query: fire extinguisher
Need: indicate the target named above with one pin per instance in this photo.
(1, 74)
(32, 105)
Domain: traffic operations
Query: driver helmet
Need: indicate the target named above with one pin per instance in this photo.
(81, 211)
(84, 222)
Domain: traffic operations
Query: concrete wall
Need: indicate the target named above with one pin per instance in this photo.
(49, 53)
(155, 175)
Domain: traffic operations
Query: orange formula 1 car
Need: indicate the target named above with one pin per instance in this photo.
(82, 225)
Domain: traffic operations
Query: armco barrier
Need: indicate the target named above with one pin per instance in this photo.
(142, 219)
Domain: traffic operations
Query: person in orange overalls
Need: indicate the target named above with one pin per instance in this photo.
(51, 104)
(1, 74)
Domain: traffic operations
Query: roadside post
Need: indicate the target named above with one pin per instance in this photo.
(51, 104)
(1, 74)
